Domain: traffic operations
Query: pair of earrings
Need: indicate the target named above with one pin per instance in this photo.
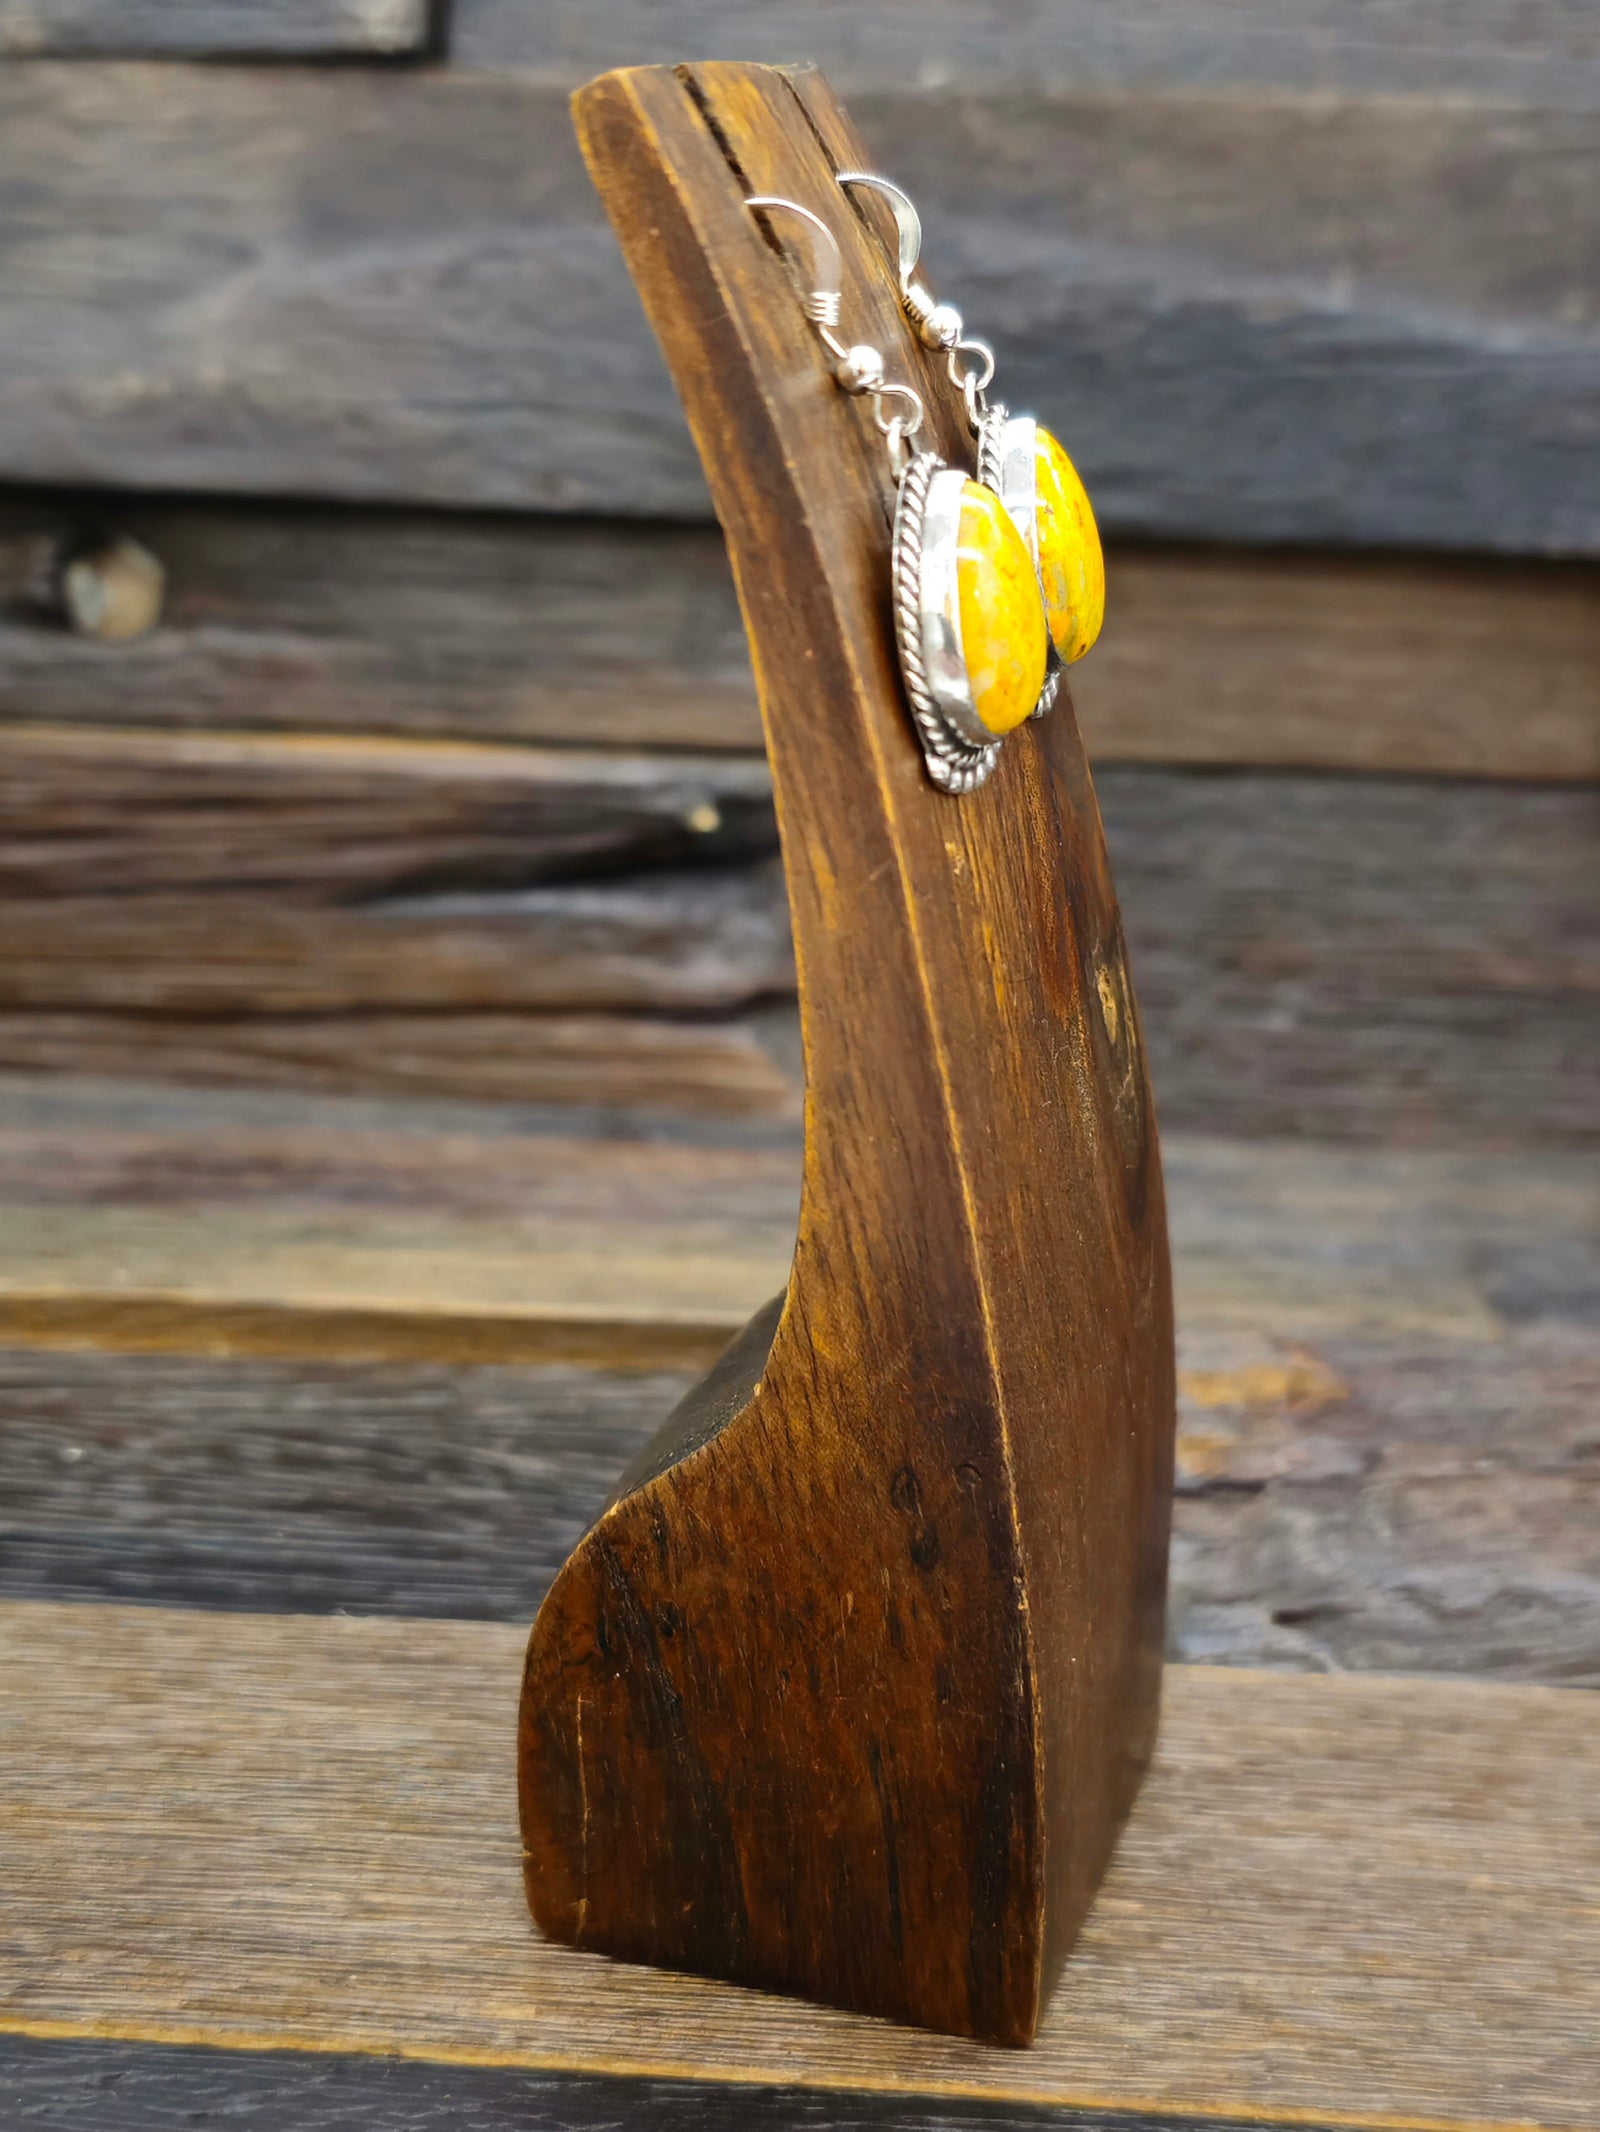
(999, 582)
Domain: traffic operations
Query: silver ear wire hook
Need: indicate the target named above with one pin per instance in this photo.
(907, 222)
(939, 326)
(821, 299)
(958, 746)
(857, 370)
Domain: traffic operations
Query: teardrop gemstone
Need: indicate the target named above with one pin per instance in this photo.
(1072, 567)
(1004, 637)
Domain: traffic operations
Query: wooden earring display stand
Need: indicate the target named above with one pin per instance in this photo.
(850, 1688)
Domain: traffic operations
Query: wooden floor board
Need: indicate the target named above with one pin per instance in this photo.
(1317, 954)
(1366, 1901)
(1388, 1364)
(85, 2085)
(1400, 1502)
(240, 1222)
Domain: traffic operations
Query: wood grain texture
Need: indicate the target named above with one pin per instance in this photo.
(244, 1223)
(849, 1690)
(1403, 1506)
(1417, 1502)
(394, 287)
(689, 941)
(90, 2086)
(336, 912)
(1512, 50)
(237, 1222)
(508, 629)
(348, 820)
(295, 1487)
(1316, 954)
(1346, 663)
(1361, 958)
(743, 1066)
(596, 633)
(260, 29)
(1363, 1898)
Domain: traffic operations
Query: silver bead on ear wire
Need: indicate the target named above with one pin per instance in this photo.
(1019, 459)
(939, 325)
(929, 562)
(857, 370)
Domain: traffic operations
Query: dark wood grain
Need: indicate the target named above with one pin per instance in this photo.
(1364, 958)
(581, 632)
(294, 1487)
(1354, 1899)
(88, 2086)
(684, 941)
(407, 295)
(1417, 1501)
(742, 1066)
(1334, 955)
(260, 29)
(462, 1231)
(849, 1690)
(349, 820)
(507, 628)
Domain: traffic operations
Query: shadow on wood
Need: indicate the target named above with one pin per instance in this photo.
(849, 1689)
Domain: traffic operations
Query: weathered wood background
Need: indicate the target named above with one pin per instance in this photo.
(398, 1073)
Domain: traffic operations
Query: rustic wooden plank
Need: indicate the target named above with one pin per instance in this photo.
(1410, 1505)
(249, 1223)
(259, 29)
(594, 633)
(1345, 663)
(92, 2086)
(1369, 958)
(1489, 48)
(290, 1487)
(396, 287)
(745, 1066)
(227, 1222)
(509, 628)
(264, 1853)
(1408, 1502)
(1319, 954)
(676, 941)
(348, 819)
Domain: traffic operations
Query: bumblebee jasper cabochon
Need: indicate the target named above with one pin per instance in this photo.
(1002, 622)
(1039, 486)
(969, 620)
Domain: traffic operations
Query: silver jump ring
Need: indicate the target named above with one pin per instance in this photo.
(906, 425)
(971, 376)
(974, 382)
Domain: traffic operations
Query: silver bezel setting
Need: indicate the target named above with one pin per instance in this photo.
(959, 749)
(1008, 464)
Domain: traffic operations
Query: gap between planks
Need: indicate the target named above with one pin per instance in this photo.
(1359, 1901)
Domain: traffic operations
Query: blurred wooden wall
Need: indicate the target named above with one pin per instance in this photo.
(399, 1097)
(439, 769)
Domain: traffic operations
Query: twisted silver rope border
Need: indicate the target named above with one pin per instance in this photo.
(989, 427)
(954, 764)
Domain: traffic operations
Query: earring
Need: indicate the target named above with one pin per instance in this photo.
(1017, 457)
(970, 627)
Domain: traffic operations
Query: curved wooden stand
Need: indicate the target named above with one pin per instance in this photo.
(850, 1687)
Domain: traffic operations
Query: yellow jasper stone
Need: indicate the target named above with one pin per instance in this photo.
(1003, 632)
(1072, 565)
